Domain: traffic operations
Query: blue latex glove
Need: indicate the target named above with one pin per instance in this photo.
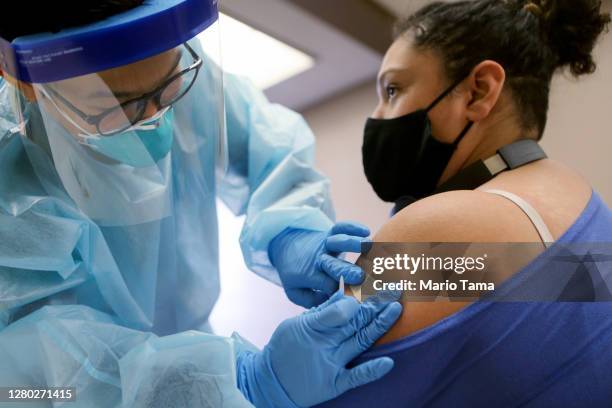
(305, 362)
(307, 261)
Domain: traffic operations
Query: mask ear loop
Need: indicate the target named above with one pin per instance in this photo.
(444, 95)
(467, 128)
(463, 133)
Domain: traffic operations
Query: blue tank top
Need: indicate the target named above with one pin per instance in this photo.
(527, 354)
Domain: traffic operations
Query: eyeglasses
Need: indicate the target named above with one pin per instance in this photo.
(122, 117)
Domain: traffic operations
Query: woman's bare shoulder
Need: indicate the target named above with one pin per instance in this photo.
(458, 216)
(477, 216)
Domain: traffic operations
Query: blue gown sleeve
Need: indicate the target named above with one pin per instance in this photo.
(271, 176)
(113, 366)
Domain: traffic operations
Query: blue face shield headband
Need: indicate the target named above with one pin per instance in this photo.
(110, 43)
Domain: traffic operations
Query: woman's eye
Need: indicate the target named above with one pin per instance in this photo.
(391, 91)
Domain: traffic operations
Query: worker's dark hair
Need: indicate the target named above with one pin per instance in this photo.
(28, 17)
(531, 39)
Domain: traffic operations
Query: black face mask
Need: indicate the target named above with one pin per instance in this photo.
(402, 158)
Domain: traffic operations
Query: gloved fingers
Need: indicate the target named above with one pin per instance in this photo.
(366, 335)
(386, 296)
(368, 311)
(350, 228)
(322, 282)
(333, 299)
(339, 243)
(306, 298)
(335, 318)
(363, 374)
(336, 268)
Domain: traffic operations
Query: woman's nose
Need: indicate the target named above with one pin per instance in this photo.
(378, 112)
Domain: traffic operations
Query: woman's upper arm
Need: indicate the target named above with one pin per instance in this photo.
(460, 216)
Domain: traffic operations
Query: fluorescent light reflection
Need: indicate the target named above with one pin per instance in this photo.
(251, 53)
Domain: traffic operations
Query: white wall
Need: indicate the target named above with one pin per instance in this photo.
(579, 130)
(248, 304)
(338, 126)
(579, 133)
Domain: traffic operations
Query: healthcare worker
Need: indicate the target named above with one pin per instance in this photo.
(112, 151)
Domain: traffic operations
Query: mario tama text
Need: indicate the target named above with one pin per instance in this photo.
(422, 285)
(429, 271)
(401, 265)
(492, 271)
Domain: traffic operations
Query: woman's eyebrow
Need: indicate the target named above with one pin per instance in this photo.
(135, 94)
(389, 71)
(380, 83)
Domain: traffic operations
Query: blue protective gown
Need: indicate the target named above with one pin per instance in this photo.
(514, 354)
(85, 305)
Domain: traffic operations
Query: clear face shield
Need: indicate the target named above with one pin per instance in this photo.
(115, 135)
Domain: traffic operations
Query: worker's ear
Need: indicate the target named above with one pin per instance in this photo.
(25, 88)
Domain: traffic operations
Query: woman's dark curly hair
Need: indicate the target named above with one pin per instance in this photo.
(531, 39)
